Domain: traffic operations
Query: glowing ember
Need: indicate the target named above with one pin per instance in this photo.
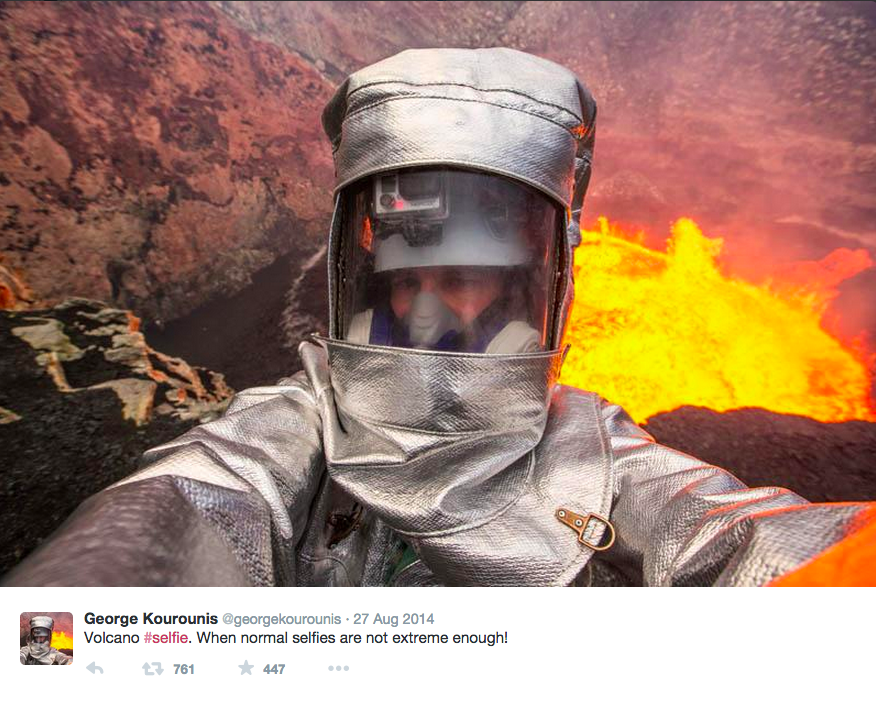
(655, 331)
(61, 641)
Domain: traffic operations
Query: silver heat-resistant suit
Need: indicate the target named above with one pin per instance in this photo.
(381, 465)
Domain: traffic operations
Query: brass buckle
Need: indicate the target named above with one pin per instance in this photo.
(579, 523)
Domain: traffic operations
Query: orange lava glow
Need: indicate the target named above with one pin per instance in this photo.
(61, 641)
(849, 563)
(653, 331)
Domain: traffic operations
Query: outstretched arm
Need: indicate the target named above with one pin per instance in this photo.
(224, 504)
(682, 522)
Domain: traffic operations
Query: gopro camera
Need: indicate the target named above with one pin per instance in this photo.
(400, 194)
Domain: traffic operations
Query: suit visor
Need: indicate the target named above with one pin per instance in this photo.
(447, 260)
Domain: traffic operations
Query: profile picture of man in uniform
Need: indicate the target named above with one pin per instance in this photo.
(46, 638)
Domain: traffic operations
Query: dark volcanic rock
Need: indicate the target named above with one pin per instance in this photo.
(81, 398)
(252, 337)
(822, 462)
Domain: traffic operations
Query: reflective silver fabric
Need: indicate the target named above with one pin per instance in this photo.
(50, 657)
(446, 449)
(475, 108)
(434, 477)
(681, 522)
(495, 110)
(226, 504)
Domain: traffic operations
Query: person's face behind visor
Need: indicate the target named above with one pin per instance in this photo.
(39, 640)
(466, 291)
(447, 260)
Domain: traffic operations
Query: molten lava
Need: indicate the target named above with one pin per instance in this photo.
(61, 640)
(654, 331)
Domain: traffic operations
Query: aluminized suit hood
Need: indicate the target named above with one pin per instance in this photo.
(447, 449)
(493, 110)
(475, 108)
(40, 650)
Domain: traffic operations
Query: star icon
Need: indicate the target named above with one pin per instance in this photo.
(246, 667)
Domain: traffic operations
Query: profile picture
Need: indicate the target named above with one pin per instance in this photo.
(46, 638)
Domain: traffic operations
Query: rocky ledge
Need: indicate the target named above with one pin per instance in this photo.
(82, 395)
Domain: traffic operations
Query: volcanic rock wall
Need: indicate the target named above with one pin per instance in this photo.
(341, 37)
(153, 155)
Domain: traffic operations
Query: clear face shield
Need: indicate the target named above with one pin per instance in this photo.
(448, 260)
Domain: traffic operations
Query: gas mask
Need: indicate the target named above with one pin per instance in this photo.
(448, 260)
(429, 320)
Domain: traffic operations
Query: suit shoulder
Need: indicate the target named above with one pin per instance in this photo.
(59, 657)
(576, 394)
(614, 417)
